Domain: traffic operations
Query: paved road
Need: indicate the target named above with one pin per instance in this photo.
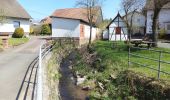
(13, 65)
(164, 45)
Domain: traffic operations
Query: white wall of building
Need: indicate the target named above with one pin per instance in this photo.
(138, 19)
(8, 25)
(163, 20)
(87, 32)
(65, 27)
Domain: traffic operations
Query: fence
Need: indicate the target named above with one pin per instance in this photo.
(158, 60)
(44, 50)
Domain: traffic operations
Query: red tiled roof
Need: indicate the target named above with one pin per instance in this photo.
(73, 13)
(46, 20)
(150, 5)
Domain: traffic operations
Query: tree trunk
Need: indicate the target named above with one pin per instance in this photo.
(154, 33)
(90, 34)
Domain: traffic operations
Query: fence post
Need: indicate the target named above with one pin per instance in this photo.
(159, 65)
(39, 83)
(129, 57)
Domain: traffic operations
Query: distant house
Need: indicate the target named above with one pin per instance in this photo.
(73, 22)
(163, 21)
(14, 16)
(138, 22)
(116, 30)
(46, 20)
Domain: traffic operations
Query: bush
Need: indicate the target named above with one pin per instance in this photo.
(18, 33)
(162, 34)
(45, 29)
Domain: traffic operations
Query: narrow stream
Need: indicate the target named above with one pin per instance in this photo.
(68, 89)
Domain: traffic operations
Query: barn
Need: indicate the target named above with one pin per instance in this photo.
(116, 30)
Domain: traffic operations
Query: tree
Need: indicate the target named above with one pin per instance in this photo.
(45, 29)
(130, 7)
(92, 7)
(158, 4)
(2, 16)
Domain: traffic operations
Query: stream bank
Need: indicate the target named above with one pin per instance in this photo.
(67, 85)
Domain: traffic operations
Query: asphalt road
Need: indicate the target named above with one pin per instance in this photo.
(13, 65)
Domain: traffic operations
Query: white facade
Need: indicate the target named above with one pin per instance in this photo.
(138, 19)
(87, 32)
(65, 27)
(138, 22)
(8, 25)
(163, 21)
(62, 27)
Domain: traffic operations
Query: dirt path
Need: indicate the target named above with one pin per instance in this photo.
(13, 65)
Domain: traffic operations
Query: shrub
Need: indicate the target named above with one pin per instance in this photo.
(18, 33)
(162, 34)
(45, 29)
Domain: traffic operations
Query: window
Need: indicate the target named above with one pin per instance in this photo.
(16, 24)
(168, 27)
(138, 20)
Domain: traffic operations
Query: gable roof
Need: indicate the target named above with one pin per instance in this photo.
(150, 5)
(118, 16)
(46, 20)
(11, 8)
(74, 13)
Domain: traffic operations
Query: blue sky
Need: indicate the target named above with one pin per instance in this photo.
(39, 9)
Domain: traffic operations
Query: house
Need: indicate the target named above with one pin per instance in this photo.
(12, 16)
(138, 22)
(163, 21)
(116, 30)
(47, 20)
(73, 22)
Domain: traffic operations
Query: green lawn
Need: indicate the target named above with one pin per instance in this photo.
(15, 41)
(118, 57)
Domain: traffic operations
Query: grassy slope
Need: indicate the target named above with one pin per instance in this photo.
(119, 57)
(15, 41)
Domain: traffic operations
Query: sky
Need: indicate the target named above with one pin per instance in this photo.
(39, 9)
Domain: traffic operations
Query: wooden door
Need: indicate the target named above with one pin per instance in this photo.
(118, 30)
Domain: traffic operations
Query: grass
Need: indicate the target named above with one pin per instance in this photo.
(118, 57)
(15, 41)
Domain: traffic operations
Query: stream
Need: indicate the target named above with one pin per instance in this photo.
(68, 89)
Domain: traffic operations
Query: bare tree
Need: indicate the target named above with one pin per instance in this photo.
(2, 16)
(92, 7)
(130, 7)
(158, 4)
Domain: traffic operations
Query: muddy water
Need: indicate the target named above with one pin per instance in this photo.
(68, 89)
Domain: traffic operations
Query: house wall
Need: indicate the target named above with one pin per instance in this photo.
(8, 26)
(163, 20)
(65, 28)
(86, 33)
(138, 22)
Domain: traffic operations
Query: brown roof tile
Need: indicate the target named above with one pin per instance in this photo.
(11, 8)
(73, 13)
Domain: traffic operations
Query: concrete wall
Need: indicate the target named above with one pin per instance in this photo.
(8, 25)
(65, 27)
(163, 20)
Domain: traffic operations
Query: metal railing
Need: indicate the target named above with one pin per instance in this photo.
(158, 59)
(43, 51)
